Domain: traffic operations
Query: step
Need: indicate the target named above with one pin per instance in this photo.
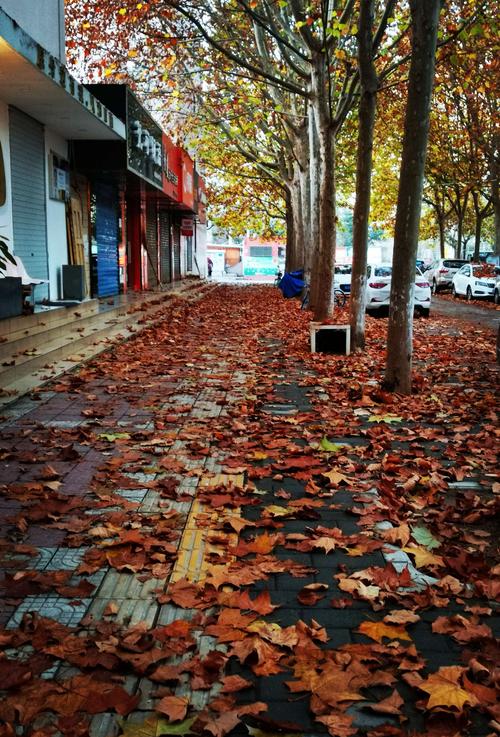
(15, 328)
(69, 322)
(67, 339)
(60, 355)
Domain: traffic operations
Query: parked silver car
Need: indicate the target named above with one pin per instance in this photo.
(440, 273)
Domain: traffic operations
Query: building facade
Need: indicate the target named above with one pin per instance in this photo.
(94, 197)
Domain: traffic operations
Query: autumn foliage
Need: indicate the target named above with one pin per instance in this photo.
(348, 545)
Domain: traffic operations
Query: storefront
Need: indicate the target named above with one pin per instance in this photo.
(137, 167)
(43, 110)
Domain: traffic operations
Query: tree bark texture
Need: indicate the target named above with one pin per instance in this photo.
(366, 122)
(478, 225)
(425, 19)
(322, 272)
(290, 232)
(313, 196)
(441, 227)
(495, 190)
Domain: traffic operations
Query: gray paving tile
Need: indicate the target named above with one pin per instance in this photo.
(130, 611)
(66, 559)
(58, 608)
(118, 585)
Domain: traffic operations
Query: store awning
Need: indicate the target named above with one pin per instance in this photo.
(34, 81)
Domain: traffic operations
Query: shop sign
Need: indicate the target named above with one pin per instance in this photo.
(202, 201)
(58, 177)
(187, 181)
(171, 169)
(144, 143)
(187, 226)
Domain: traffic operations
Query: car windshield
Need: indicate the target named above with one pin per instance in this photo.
(382, 271)
(449, 264)
(343, 269)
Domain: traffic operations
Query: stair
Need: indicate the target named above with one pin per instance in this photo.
(34, 349)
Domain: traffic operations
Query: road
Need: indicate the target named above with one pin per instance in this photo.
(485, 317)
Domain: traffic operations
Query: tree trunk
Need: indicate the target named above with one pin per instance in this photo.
(425, 19)
(478, 224)
(460, 210)
(366, 122)
(297, 260)
(313, 196)
(440, 220)
(322, 272)
(495, 193)
(290, 231)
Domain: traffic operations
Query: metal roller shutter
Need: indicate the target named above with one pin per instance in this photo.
(106, 233)
(165, 252)
(189, 254)
(176, 237)
(152, 243)
(27, 151)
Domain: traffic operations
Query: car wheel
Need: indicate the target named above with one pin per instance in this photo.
(496, 297)
(454, 293)
(468, 294)
(425, 312)
(435, 289)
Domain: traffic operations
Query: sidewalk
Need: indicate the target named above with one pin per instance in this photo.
(208, 530)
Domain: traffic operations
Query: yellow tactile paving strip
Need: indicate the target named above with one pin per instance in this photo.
(194, 547)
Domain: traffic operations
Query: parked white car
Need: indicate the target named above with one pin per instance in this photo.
(378, 290)
(440, 273)
(496, 293)
(474, 281)
(342, 278)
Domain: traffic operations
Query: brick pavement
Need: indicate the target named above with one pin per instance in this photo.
(149, 444)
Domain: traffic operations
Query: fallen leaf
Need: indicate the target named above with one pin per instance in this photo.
(378, 630)
(338, 725)
(174, 707)
(446, 691)
(423, 536)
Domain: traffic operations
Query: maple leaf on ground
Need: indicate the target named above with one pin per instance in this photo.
(325, 543)
(155, 726)
(335, 478)
(174, 707)
(261, 604)
(423, 557)
(222, 724)
(267, 656)
(423, 536)
(378, 630)
(445, 689)
(484, 694)
(272, 632)
(401, 616)
(460, 628)
(338, 725)
(391, 705)
(358, 588)
(312, 593)
(399, 534)
(262, 544)
(231, 684)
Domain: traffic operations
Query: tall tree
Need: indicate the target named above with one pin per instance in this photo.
(424, 28)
